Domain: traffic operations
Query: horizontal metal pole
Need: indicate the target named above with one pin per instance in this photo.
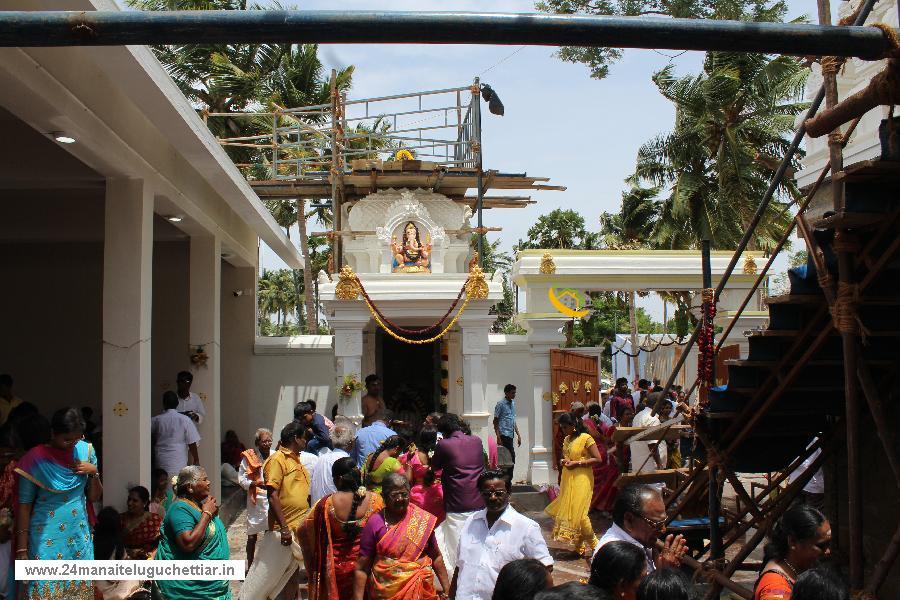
(116, 28)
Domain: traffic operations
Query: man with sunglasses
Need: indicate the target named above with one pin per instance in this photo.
(639, 517)
(493, 537)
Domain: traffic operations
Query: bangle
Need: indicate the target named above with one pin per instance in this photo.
(21, 550)
(21, 531)
(206, 512)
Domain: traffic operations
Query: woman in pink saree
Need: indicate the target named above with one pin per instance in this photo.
(398, 554)
(426, 491)
(606, 473)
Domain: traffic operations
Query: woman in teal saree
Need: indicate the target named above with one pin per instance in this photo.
(192, 530)
(57, 483)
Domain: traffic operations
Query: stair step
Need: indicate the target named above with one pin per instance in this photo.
(882, 171)
(740, 362)
(811, 299)
(796, 299)
(849, 220)
(796, 332)
(810, 389)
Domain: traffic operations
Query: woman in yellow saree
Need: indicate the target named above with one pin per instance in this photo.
(570, 509)
(398, 554)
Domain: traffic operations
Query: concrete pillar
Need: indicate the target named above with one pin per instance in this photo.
(475, 350)
(543, 336)
(348, 350)
(127, 292)
(205, 308)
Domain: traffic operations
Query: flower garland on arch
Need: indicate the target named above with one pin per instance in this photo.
(349, 287)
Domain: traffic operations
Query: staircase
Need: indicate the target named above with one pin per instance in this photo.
(799, 357)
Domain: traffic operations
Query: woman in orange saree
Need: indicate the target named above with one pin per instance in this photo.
(329, 536)
(398, 554)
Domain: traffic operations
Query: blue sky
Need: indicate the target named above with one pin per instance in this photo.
(559, 123)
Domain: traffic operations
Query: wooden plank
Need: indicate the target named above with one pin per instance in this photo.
(673, 432)
(669, 477)
(849, 220)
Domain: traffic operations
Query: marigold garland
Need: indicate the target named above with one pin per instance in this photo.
(350, 287)
(706, 341)
(400, 338)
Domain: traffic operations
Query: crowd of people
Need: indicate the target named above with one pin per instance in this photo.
(388, 510)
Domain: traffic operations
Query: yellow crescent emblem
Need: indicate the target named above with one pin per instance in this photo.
(573, 296)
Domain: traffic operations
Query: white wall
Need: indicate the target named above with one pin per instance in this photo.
(509, 362)
(284, 371)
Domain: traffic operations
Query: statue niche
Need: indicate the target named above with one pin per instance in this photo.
(409, 254)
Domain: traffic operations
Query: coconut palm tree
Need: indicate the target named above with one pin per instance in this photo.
(729, 118)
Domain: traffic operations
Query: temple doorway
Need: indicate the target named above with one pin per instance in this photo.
(411, 377)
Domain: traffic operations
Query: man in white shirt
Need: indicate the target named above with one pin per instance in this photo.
(174, 437)
(493, 537)
(321, 481)
(189, 403)
(639, 517)
(648, 456)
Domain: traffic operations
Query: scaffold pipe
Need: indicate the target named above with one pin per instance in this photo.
(116, 28)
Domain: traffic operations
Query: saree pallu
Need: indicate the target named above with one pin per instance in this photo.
(329, 552)
(183, 516)
(400, 570)
(143, 535)
(605, 473)
(60, 519)
(570, 509)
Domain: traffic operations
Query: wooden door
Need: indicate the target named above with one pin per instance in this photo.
(573, 377)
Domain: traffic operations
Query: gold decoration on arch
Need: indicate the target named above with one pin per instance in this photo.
(563, 388)
(555, 398)
(576, 385)
(588, 386)
(548, 267)
(476, 287)
(347, 287)
(750, 267)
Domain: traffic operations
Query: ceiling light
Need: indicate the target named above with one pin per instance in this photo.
(62, 138)
(175, 219)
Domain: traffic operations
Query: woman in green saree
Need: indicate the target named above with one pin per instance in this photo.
(192, 531)
(382, 462)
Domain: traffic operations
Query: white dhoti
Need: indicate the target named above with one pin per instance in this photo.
(273, 565)
(447, 536)
(257, 514)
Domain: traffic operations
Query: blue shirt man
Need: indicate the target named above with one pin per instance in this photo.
(505, 421)
(369, 438)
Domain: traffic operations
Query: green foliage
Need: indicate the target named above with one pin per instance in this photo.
(798, 258)
(495, 260)
(234, 78)
(609, 316)
(278, 294)
(599, 60)
(559, 229)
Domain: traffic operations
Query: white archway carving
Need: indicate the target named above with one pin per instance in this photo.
(409, 208)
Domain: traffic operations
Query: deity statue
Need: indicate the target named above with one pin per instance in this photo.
(411, 255)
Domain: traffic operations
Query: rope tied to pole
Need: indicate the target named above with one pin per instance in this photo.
(844, 311)
(883, 89)
(832, 64)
